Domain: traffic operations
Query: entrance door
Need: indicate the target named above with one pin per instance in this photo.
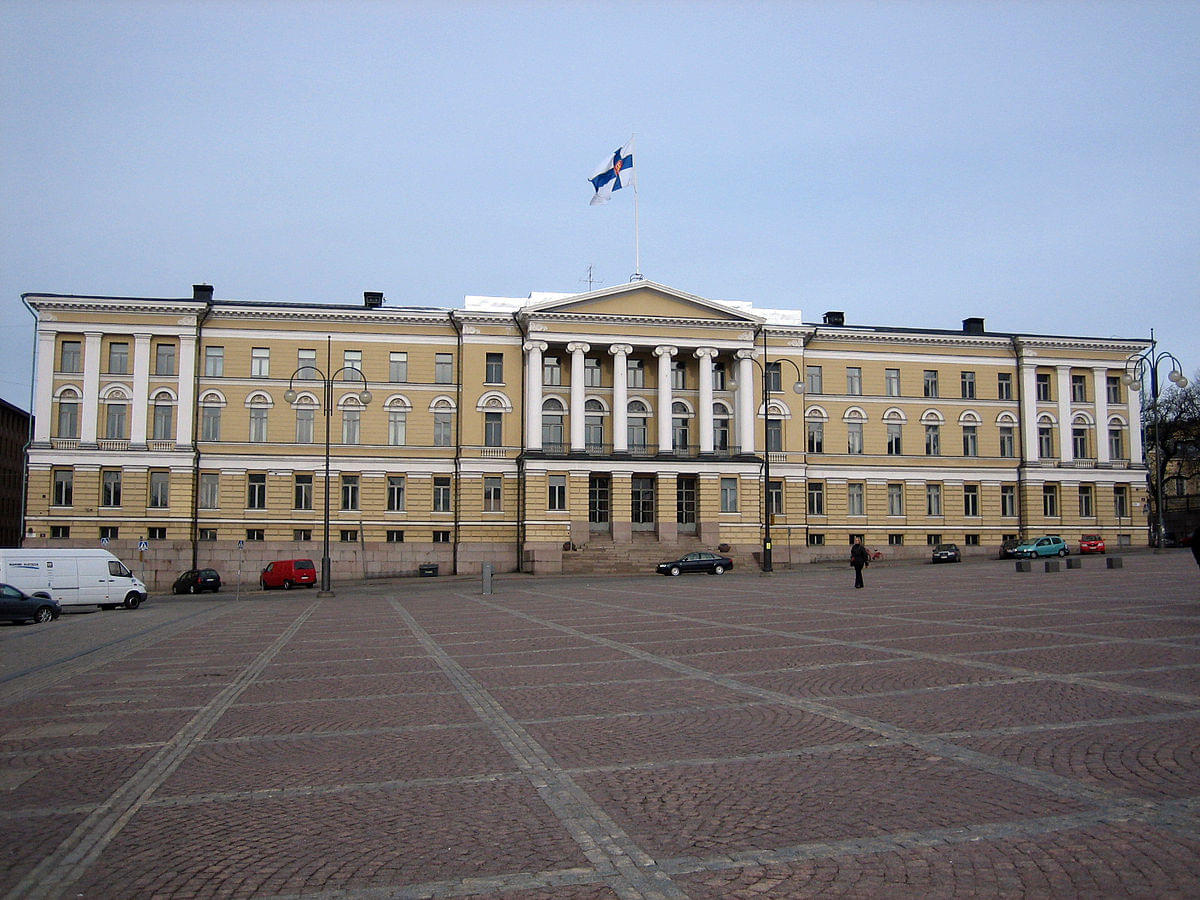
(685, 504)
(599, 505)
(642, 503)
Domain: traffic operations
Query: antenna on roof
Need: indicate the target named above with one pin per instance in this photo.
(591, 277)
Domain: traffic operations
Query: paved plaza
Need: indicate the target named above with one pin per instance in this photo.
(948, 731)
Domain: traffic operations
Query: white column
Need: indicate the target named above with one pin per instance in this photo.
(577, 349)
(665, 398)
(43, 386)
(1133, 400)
(1100, 380)
(745, 401)
(186, 389)
(706, 355)
(533, 393)
(141, 389)
(1029, 410)
(1066, 448)
(620, 354)
(91, 387)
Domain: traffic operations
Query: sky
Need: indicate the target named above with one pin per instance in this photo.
(908, 163)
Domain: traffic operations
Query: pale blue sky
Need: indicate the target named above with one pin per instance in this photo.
(1037, 164)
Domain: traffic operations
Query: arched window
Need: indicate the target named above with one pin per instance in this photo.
(163, 404)
(68, 414)
(680, 434)
(593, 424)
(553, 414)
(720, 427)
(639, 413)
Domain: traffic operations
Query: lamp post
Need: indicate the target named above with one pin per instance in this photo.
(1137, 367)
(364, 397)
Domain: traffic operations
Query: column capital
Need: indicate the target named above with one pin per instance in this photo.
(578, 347)
(620, 349)
(540, 346)
(746, 354)
(665, 351)
(705, 353)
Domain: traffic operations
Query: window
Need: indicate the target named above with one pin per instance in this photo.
(1116, 444)
(812, 379)
(255, 534)
(306, 358)
(1079, 443)
(816, 498)
(207, 534)
(635, 371)
(118, 358)
(1113, 388)
(718, 375)
(774, 376)
(891, 382)
(305, 416)
(1008, 500)
(678, 375)
(1043, 387)
(351, 360)
(774, 435)
(210, 423)
(775, 497)
(156, 533)
(441, 494)
(351, 424)
(60, 531)
(493, 368)
(933, 499)
(636, 422)
(970, 440)
(933, 440)
(591, 372)
(895, 540)
(348, 535)
(160, 490)
(931, 383)
(1079, 389)
(395, 493)
(443, 368)
(301, 534)
(210, 490)
(1086, 506)
(64, 487)
(397, 426)
(1004, 386)
(110, 488)
(258, 424)
(816, 540)
(593, 424)
(349, 492)
(443, 428)
(1049, 500)
(895, 499)
(854, 437)
(1121, 500)
(68, 416)
(1045, 441)
(971, 500)
(1008, 446)
(854, 499)
(260, 362)
(109, 532)
(894, 446)
(551, 371)
(815, 436)
(492, 500)
(493, 429)
(302, 491)
(164, 359)
(70, 357)
(679, 426)
(971, 540)
(441, 537)
(729, 495)
(114, 421)
(552, 424)
(395, 536)
(556, 497)
(164, 415)
(214, 361)
(256, 491)
(853, 380)
(397, 366)
(967, 381)
(720, 427)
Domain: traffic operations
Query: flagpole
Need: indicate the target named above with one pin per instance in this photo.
(637, 248)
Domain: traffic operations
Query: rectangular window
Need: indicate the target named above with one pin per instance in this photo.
(443, 432)
(931, 383)
(718, 375)
(816, 436)
(397, 366)
(397, 427)
(492, 499)
(551, 371)
(255, 534)
(70, 357)
(933, 499)
(351, 425)
(894, 446)
(493, 368)
(64, 487)
(812, 379)
(932, 540)
(1045, 441)
(214, 362)
(970, 440)
(441, 537)
(895, 499)
(933, 440)
(1049, 500)
(160, 490)
(443, 368)
(395, 536)
(60, 531)
(1086, 506)
(967, 380)
(493, 429)
(118, 358)
(774, 435)
(1079, 443)
(775, 497)
(256, 490)
(441, 494)
(774, 373)
(971, 540)
(1121, 500)
(853, 380)
(68, 419)
(1113, 388)
(349, 492)
(164, 359)
(260, 362)
(895, 540)
(306, 362)
(556, 498)
(114, 422)
(395, 493)
(1008, 500)
(1079, 389)
(816, 498)
(891, 382)
(1008, 446)
(109, 532)
(156, 533)
(816, 540)
(351, 360)
(1116, 444)
(210, 423)
(301, 534)
(635, 373)
(1004, 386)
(591, 372)
(729, 495)
(258, 425)
(207, 534)
(110, 488)
(854, 499)
(302, 491)
(164, 416)
(854, 437)
(1043, 387)
(678, 375)
(305, 417)
(348, 535)
(971, 500)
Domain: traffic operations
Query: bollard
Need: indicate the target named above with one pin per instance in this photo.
(1024, 565)
(487, 579)
(1052, 565)
(1114, 562)
(1074, 563)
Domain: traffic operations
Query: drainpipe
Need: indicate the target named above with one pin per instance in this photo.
(520, 323)
(458, 369)
(199, 292)
(29, 434)
(1022, 487)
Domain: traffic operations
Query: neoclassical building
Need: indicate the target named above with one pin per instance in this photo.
(562, 433)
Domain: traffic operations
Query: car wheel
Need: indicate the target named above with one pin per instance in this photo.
(674, 570)
(193, 589)
(287, 585)
(43, 614)
(718, 570)
(1064, 552)
(133, 601)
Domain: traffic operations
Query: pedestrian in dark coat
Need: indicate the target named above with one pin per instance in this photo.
(1196, 544)
(860, 559)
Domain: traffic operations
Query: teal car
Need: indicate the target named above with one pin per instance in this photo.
(1051, 545)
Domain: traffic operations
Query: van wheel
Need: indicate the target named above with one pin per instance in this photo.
(43, 614)
(287, 584)
(133, 601)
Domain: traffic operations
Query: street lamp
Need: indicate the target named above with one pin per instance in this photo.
(798, 388)
(364, 397)
(1137, 367)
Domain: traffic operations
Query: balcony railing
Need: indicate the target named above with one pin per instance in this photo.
(160, 445)
(110, 444)
(64, 443)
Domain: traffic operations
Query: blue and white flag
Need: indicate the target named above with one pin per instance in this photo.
(614, 173)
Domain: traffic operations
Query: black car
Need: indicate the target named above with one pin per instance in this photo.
(946, 553)
(1008, 549)
(193, 581)
(18, 606)
(699, 561)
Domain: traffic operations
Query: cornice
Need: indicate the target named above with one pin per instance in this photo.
(626, 320)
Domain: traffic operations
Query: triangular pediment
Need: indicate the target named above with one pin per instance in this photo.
(642, 300)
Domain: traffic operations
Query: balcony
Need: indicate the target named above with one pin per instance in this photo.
(64, 443)
(109, 444)
(160, 446)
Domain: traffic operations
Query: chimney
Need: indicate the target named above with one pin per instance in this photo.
(834, 317)
(372, 299)
(203, 292)
(973, 325)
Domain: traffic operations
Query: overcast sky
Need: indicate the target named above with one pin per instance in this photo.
(1037, 164)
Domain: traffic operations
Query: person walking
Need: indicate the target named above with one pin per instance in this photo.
(860, 559)
(1196, 545)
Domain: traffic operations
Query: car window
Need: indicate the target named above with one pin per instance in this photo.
(305, 564)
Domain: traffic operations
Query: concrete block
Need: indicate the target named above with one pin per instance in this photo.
(1114, 562)
(1052, 565)
(1074, 562)
(1024, 565)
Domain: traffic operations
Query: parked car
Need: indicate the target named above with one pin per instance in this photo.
(1169, 539)
(193, 581)
(1051, 545)
(18, 606)
(698, 561)
(1092, 543)
(288, 573)
(1008, 548)
(946, 553)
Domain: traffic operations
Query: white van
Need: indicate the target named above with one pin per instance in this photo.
(73, 577)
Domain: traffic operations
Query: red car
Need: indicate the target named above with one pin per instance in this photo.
(1091, 543)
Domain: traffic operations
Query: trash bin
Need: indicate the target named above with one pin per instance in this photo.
(427, 569)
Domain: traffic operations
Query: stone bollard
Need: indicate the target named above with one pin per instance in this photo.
(1052, 565)
(1114, 562)
(1024, 565)
(1074, 562)
(487, 579)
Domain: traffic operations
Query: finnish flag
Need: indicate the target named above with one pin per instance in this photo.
(613, 174)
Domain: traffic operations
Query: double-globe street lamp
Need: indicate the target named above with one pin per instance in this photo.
(1137, 367)
(364, 397)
